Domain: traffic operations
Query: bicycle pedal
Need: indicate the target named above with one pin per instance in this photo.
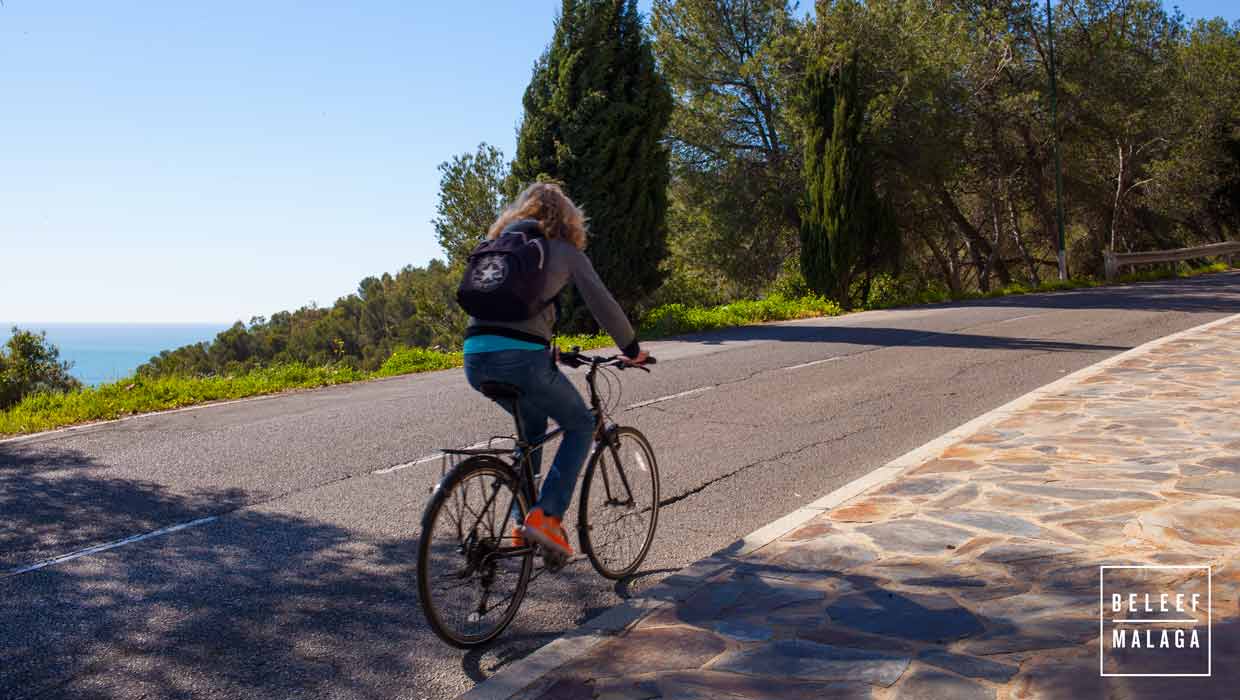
(554, 562)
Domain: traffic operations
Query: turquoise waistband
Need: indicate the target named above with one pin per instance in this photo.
(494, 343)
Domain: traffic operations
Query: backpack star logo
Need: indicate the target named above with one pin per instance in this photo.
(490, 273)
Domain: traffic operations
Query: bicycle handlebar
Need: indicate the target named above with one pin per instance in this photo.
(574, 358)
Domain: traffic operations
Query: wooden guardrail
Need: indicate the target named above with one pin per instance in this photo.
(1114, 261)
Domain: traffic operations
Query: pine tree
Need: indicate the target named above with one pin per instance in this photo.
(847, 229)
(595, 113)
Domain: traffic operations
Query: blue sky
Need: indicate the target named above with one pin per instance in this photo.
(193, 161)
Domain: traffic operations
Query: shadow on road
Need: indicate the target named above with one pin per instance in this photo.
(1213, 294)
(56, 500)
(1216, 293)
(263, 602)
(895, 337)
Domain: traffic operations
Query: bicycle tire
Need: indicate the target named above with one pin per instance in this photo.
(449, 513)
(600, 514)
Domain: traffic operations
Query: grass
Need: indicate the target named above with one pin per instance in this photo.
(126, 397)
(143, 395)
(1085, 283)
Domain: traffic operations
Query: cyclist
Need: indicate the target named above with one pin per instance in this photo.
(520, 353)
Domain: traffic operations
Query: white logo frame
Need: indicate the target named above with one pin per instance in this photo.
(1102, 641)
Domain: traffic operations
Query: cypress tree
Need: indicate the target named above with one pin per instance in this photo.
(816, 265)
(595, 113)
(847, 228)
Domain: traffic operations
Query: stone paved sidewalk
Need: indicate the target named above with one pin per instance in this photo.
(976, 574)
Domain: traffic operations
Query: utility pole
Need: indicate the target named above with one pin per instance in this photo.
(1063, 260)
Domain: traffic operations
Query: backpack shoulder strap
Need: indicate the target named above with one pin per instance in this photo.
(526, 227)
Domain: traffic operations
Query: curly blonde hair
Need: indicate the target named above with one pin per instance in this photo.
(555, 212)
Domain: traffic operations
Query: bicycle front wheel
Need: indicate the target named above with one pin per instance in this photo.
(472, 574)
(619, 503)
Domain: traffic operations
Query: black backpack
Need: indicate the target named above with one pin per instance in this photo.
(505, 276)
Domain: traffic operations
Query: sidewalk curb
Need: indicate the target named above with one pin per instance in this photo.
(678, 586)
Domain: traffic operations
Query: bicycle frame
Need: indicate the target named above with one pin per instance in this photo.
(524, 468)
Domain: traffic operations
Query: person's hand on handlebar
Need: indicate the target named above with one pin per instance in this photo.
(641, 358)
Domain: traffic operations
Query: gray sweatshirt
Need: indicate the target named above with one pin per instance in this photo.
(566, 263)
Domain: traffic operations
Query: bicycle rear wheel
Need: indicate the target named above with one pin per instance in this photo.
(619, 503)
(472, 575)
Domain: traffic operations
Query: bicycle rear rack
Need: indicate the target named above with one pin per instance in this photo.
(453, 456)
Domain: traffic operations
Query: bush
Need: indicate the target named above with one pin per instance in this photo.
(406, 360)
(672, 319)
(887, 291)
(138, 394)
(791, 285)
(31, 365)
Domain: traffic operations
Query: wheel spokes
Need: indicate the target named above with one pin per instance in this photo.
(621, 505)
(474, 576)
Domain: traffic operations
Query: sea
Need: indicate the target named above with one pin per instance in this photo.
(105, 352)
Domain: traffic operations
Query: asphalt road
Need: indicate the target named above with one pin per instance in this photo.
(301, 583)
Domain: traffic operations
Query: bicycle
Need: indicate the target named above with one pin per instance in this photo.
(468, 548)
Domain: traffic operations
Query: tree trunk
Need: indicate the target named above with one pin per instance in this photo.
(1019, 238)
(979, 247)
(1119, 193)
(951, 275)
(1042, 204)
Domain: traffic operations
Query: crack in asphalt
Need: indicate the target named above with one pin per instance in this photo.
(774, 459)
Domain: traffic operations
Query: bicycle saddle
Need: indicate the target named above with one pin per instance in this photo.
(499, 391)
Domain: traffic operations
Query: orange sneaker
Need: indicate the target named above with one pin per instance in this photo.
(548, 532)
(518, 539)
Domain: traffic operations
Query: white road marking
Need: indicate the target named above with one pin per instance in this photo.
(669, 398)
(406, 465)
(815, 362)
(437, 455)
(1009, 320)
(108, 545)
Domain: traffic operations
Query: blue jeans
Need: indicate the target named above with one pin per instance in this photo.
(545, 391)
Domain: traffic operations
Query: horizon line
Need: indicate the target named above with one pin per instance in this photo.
(8, 324)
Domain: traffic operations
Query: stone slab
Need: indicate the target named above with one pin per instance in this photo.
(708, 685)
(929, 684)
(650, 650)
(1220, 485)
(970, 666)
(934, 617)
(817, 662)
(994, 522)
(743, 631)
(917, 536)
(828, 553)
(1072, 494)
(1009, 552)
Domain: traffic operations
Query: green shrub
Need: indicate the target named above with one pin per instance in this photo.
(791, 285)
(887, 291)
(585, 342)
(406, 360)
(673, 319)
(45, 410)
(30, 365)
